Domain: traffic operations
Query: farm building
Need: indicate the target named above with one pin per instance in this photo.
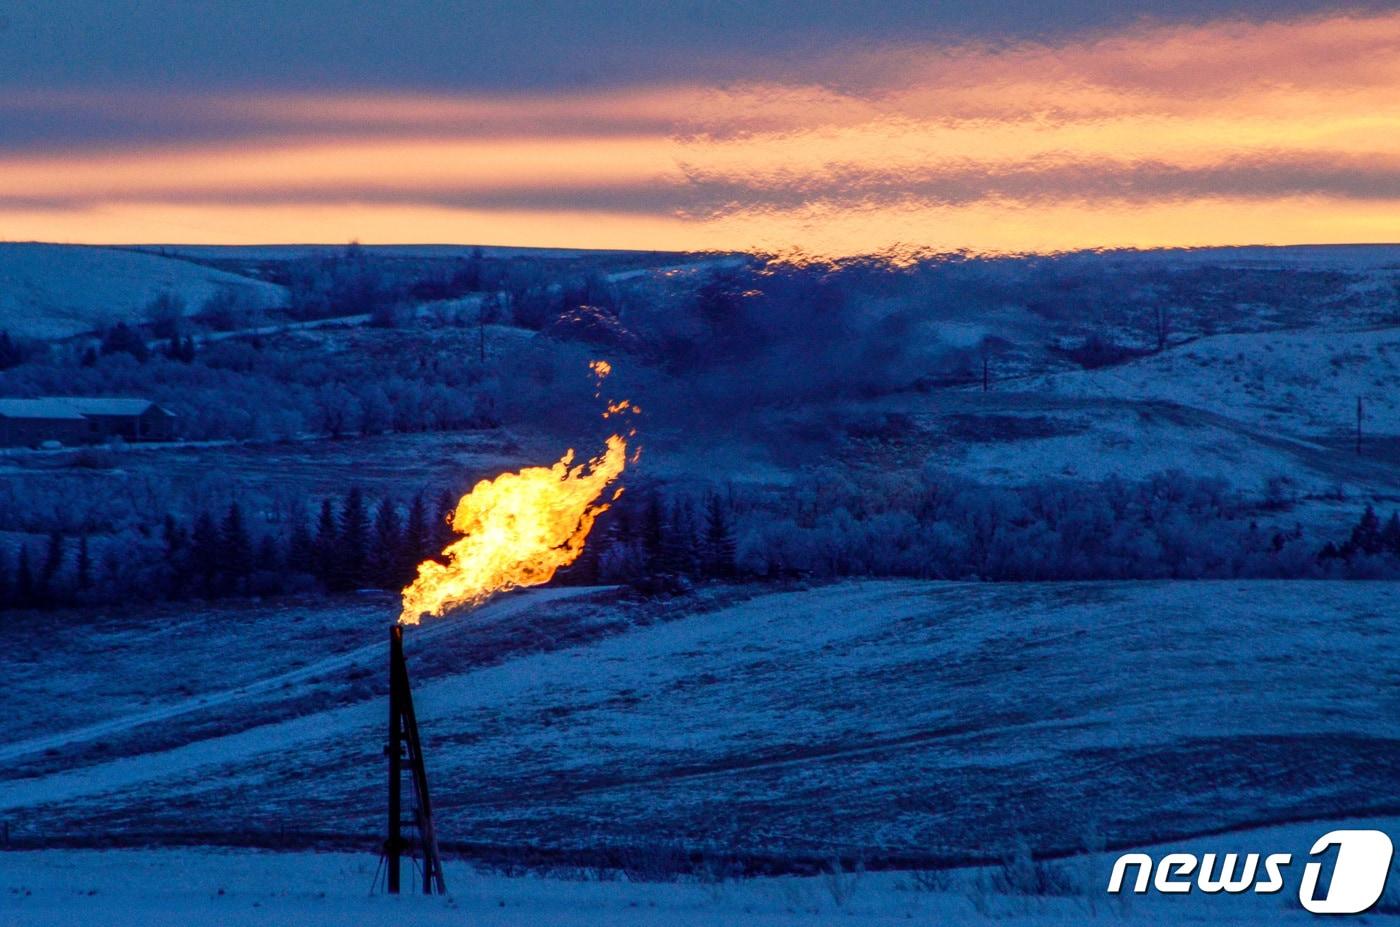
(71, 420)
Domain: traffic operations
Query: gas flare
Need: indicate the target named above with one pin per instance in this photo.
(520, 528)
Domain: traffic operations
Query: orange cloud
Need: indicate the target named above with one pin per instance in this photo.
(1219, 133)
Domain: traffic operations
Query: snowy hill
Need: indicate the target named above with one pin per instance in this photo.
(53, 291)
(895, 720)
(1305, 382)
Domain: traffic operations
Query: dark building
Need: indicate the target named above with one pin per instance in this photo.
(31, 422)
(71, 420)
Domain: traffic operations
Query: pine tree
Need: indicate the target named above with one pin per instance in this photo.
(24, 579)
(268, 559)
(1366, 536)
(301, 547)
(587, 569)
(620, 530)
(53, 565)
(113, 574)
(388, 539)
(678, 543)
(416, 546)
(237, 559)
(327, 543)
(177, 556)
(123, 339)
(354, 541)
(204, 552)
(11, 354)
(654, 529)
(1390, 537)
(84, 564)
(719, 539)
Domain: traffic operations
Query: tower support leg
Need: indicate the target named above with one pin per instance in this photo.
(404, 745)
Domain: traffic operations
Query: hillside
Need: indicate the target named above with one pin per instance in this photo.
(897, 720)
(53, 291)
(1304, 382)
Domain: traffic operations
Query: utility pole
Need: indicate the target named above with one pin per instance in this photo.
(481, 329)
(1360, 413)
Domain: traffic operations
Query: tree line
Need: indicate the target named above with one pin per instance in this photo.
(662, 541)
(348, 543)
(935, 526)
(1369, 550)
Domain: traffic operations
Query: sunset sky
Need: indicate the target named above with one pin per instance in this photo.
(830, 128)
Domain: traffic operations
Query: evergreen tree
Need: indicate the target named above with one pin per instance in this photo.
(205, 553)
(1366, 536)
(678, 542)
(10, 353)
(620, 530)
(719, 539)
(121, 338)
(84, 564)
(301, 546)
(654, 529)
(268, 559)
(1390, 537)
(24, 579)
(354, 541)
(237, 559)
(327, 543)
(113, 573)
(417, 543)
(53, 565)
(177, 556)
(388, 539)
(180, 349)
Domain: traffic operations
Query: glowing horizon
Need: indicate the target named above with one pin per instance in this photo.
(1229, 132)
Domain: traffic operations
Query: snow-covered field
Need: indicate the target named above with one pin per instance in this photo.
(53, 291)
(891, 720)
(60, 888)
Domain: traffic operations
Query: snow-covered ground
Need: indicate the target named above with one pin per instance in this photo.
(293, 252)
(1304, 382)
(53, 291)
(1070, 431)
(63, 888)
(893, 720)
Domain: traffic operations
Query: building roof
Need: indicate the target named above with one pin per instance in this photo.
(106, 405)
(74, 407)
(38, 408)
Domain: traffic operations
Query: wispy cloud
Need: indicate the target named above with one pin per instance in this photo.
(1223, 132)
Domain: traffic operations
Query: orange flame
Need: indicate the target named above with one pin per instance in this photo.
(518, 529)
